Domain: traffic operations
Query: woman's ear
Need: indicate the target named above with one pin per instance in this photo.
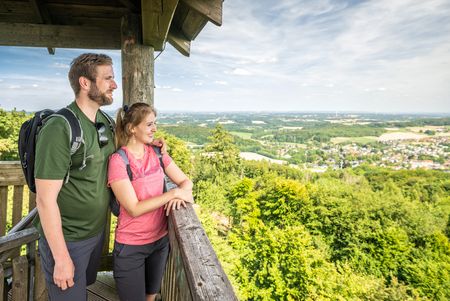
(130, 129)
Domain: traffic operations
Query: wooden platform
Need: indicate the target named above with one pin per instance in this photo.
(103, 289)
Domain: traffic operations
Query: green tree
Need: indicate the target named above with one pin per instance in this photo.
(221, 152)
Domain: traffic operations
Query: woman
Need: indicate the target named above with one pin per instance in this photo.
(141, 245)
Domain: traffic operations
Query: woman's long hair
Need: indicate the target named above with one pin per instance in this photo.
(129, 117)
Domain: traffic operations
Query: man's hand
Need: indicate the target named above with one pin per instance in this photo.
(63, 273)
(160, 143)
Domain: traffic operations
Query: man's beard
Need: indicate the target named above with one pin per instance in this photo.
(101, 98)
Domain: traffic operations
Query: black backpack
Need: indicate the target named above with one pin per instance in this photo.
(168, 184)
(30, 129)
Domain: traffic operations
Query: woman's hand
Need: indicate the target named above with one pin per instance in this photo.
(174, 204)
(183, 194)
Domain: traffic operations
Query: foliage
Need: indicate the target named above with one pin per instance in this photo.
(10, 123)
(179, 152)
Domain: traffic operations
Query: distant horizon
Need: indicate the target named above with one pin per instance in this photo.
(431, 114)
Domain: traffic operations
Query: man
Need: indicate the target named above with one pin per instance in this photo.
(72, 213)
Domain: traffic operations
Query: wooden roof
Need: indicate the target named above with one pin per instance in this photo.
(96, 24)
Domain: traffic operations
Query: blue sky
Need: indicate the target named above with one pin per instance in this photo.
(288, 55)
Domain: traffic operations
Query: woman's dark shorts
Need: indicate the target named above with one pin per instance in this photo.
(138, 270)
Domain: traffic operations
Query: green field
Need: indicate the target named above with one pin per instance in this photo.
(243, 135)
(366, 139)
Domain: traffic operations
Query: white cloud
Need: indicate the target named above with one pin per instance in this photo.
(221, 82)
(240, 71)
(61, 65)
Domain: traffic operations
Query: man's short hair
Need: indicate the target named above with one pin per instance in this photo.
(86, 65)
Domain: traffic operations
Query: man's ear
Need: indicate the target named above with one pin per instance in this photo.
(85, 83)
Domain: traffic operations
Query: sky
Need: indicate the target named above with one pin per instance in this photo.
(383, 56)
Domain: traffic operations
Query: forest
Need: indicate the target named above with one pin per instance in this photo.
(285, 233)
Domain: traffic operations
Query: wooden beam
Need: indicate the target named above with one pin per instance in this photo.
(42, 35)
(179, 41)
(43, 15)
(137, 63)
(193, 23)
(211, 9)
(157, 17)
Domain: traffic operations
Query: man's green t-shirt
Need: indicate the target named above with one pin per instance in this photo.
(83, 200)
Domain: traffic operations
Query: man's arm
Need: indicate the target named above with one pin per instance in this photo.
(46, 202)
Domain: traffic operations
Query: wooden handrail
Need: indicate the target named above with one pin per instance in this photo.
(205, 275)
(25, 222)
(18, 239)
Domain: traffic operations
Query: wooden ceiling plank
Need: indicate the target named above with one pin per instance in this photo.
(157, 17)
(41, 11)
(130, 5)
(211, 9)
(90, 11)
(42, 35)
(14, 8)
(43, 16)
(113, 24)
(179, 41)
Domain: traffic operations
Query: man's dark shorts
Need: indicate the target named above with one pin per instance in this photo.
(85, 255)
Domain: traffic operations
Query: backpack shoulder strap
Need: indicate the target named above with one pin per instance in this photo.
(76, 135)
(112, 123)
(76, 132)
(124, 157)
(167, 181)
(158, 153)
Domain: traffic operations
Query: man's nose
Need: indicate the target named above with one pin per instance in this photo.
(114, 84)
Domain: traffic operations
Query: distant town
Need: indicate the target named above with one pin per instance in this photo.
(325, 141)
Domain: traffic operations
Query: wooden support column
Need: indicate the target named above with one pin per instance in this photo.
(20, 278)
(137, 63)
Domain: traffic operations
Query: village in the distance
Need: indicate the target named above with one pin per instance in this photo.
(321, 141)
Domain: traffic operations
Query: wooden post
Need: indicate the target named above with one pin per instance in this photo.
(17, 211)
(20, 278)
(31, 252)
(31, 200)
(3, 209)
(137, 63)
(17, 204)
(40, 289)
(2, 280)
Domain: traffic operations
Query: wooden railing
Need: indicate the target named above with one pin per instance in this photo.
(193, 271)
